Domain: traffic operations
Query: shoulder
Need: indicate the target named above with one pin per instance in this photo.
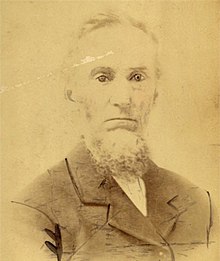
(49, 191)
(48, 201)
(53, 184)
(185, 194)
(193, 206)
(175, 185)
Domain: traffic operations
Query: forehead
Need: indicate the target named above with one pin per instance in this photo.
(128, 46)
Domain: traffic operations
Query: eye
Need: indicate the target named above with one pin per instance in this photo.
(103, 78)
(137, 77)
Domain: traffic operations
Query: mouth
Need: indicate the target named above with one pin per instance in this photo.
(120, 119)
(121, 123)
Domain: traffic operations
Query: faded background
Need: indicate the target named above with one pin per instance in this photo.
(39, 126)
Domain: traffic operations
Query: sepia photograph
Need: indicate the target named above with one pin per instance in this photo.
(110, 130)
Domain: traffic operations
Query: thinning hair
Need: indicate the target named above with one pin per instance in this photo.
(109, 19)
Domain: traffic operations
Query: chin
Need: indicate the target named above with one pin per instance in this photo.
(119, 143)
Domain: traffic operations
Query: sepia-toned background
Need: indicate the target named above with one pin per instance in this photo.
(40, 126)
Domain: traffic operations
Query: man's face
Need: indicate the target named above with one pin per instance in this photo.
(115, 92)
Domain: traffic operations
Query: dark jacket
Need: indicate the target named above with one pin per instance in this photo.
(94, 219)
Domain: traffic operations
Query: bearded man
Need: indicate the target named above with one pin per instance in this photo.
(107, 200)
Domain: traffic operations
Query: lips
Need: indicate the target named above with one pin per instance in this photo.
(121, 123)
(120, 119)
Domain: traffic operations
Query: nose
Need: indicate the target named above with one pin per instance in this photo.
(121, 96)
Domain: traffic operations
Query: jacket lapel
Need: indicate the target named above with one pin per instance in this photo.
(162, 215)
(96, 190)
(124, 216)
(88, 184)
(160, 197)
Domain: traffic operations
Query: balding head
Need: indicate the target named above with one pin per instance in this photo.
(110, 19)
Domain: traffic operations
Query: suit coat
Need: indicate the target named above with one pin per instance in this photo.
(85, 216)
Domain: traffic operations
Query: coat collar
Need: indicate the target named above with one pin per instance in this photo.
(88, 184)
(94, 189)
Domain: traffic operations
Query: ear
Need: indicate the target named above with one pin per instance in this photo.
(158, 73)
(77, 104)
(69, 95)
(155, 96)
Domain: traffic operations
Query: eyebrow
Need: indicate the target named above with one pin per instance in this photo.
(109, 70)
(141, 68)
(102, 70)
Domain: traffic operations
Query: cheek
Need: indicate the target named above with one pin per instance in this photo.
(87, 109)
(142, 100)
(91, 107)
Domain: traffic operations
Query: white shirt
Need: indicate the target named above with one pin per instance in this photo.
(136, 191)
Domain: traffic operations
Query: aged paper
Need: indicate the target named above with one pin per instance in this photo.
(170, 85)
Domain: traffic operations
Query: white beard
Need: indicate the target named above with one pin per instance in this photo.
(124, 154)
